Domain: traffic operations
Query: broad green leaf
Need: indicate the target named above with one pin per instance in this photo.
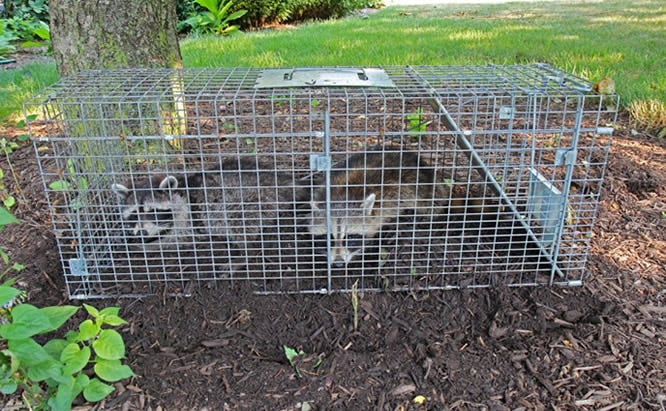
(236, 15)
(74, 358)
(109, 311)
(7, 294)
(210, 5)
(62, 401)
(7, 217)
(96, 390)
(80, 382)
(94, 312)
(55, 346)
(112, 370)
(87, 330)
(109, 316)
(27, 320)
(44, 370)
(8, 387)
(109, 345)
(60, 185)
(113, 320)
(28, 351)
(59, 314)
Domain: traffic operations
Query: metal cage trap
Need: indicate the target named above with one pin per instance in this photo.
(322, 179)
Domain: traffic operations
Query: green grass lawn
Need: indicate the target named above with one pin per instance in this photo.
(624, 40)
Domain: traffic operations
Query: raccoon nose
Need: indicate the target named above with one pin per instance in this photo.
(339, 264)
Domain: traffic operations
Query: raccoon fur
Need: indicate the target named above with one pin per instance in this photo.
(376, 188)
(370, 190)
(240, 201)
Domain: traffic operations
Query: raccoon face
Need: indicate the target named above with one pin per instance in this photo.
(153, 210)
(353, 225)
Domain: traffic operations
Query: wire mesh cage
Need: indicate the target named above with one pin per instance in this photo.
(322, 179)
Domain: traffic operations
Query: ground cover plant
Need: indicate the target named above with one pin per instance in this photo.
(600, 346)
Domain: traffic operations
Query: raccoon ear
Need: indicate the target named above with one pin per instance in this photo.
(169, 182)
(315, 205)
(121, 191)
(368, 204)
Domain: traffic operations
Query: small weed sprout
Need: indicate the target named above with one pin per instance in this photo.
(6, 217)
(299, 359)
(250, 145)
(354, 302)
(417, 123)
(291, 355)
(80, 185)
(8, 147)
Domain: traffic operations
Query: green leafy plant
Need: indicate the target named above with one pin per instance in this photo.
(417, 123)
(7, 147)
(292, 355)
(6, 217)
(250, 145)
(6, 39)
(53, 375)
(42, 32)
(215, 19)
(301, 361)
(28, 9)
(79, 184)
(26, 29)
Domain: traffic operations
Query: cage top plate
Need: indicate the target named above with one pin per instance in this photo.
(323, 77)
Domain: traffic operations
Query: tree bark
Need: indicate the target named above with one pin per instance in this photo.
(113, 34)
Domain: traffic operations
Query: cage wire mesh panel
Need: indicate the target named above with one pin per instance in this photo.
(322, 179)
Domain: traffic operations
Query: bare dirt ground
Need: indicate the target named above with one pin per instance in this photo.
(600, 346)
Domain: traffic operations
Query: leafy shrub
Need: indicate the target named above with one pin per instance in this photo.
(264, 12)
(25, 29)
(53, 375)
(6, 39)
(216, 18)
(34, 10)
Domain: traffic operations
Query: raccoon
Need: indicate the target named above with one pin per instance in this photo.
(155, 211)
(240, 200)
(369, 191)
(376, 188)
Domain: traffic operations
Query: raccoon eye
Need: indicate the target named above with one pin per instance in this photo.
(355, 241)
(162, 215)
(132, 218)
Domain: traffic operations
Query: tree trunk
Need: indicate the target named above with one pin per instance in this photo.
(113, 34)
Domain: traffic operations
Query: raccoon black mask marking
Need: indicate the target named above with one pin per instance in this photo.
(370, 190)
(154, 210)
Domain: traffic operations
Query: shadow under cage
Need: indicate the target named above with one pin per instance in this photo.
(321, 179)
